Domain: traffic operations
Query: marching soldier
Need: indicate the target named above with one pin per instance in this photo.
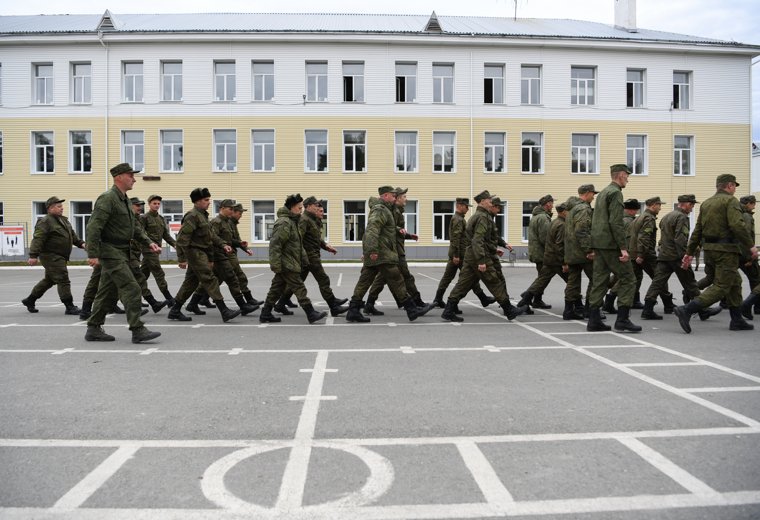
(51, 245)
(749, 266)
(579, 255)
(630, 209)
(134, 260)
(643, 245)
(158, 231)
(723, 234)
(538, 229)
(237, 242)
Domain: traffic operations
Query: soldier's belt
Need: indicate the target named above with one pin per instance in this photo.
(720, 241)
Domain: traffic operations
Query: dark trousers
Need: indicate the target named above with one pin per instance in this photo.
(117, 282)
(662, 273)
(151, 265)
(56, 273)
(290, 282)
(390, 273)
(199, 273)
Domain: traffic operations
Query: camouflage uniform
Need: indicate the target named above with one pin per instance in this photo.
(674, 236)
(642, 244)
(221, 226)
(457, 249)
(554, 257)
(403, 266)
(287, 258)
(52, 243)
(158, 231)
(538, 228)
(577, 246)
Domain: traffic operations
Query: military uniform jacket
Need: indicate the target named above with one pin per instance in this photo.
(480, 232)
(674, 236)
(457, 237)
(578, 233)
(54, 235)
(749, 221)
(196, 233)
(380, 234)
(236, 240)
(554, 252)
(627, 221)
(112, 227)
(222, 227)
(311, 231)
(286, 252)
(398, 216)
(157, 230)
(720, 226)
(538, 228)
(607, 229)
(643, 241)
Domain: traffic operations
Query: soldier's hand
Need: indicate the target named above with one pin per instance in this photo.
(414, 236)
(182, 265)
(84, 245)
(482, 268)
(155, 248)
(639, 260)
(211, 265)
(331, 249)
(93, 262)
(227, 248)
(686, 261)
(373, 256)
(455, 260)
(754, 252)
(509, 247)
(244, 244)
(590, 256)
(624, 257)
(500, 252)
(249, 252)
(565, 268)
(32, 261)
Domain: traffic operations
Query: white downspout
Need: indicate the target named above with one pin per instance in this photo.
(472, 151)
(106, 113)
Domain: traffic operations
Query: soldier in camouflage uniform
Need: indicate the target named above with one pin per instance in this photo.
(287, 258)
(538, 230)
(379, 245)
(195, 252)
(158, 231)
(480, 261)
(608, 237)
(110, 231)
(579, 256)
(52, 243)
(457, 248)
(134, 259)
(749, 265)
(237, 242)
(554, 257)
(724, 237)
(630, 209)
(643, 244)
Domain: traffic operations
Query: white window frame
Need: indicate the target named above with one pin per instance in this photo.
(503, 216)
(263, 80)
(530, 150)
(171, 82)
(81, 82)
(225, 82)
(47, 151)
(412, 217)
(313, 150)
(132, 82)
(442, 218)
(133, 151)
(1, 152)
(443, 83)
(39, 210)
(530, 87)
(441, 148)
(172, 216)
(43, 83)
(79, 220)
(353, 71)
(584, 155)
(225, 149)
(527, 215)
(406, 82)
(316, 81)
(635, 89)
(407, 152)
(262, 221)
(175, 151)
(679, 153)
(356, 219)
(2, 213)
(354, 151)
(682, 90)
(634, 153)
(493, 77)
(582, 89)
(494, 149)
(262, 149)
(325, 226)
(78, 151)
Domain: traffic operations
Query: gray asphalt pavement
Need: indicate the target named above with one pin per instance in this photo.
(534, 418)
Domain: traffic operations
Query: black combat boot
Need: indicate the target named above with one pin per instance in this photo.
(193, 305)
(586, 310)
(709, 312)
(206, 302)
(580, 308)
(485, 300)
(245, 308)
(97, 334)
(312, 315)
(354, 314)
(71, 309)
(595, 323)
(539, 303)
(526, 299)
(609, 303)
(413, 311)
(648, 312)
(449, 312)
(250, 299)
(227, 314)
(667, 303)
(457, 310)
(369, 307)
(118, 310)
(170, 301)
(623, 321)
(175, 313)
(438, 300)
(282, 306)
(141, 334)
(510, 311)
(418, 300)
(747, 304)
(737, 320)
(266, 315)
(86, 309)
(335, 306)
(29, 303)
(155, 305)
(570, 313)
(684, 312)
(686, 297)
(289, 303)
(637, 301)
(340, 301)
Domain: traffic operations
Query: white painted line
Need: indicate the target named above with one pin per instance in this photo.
(311, 370)
(197, 325)
(428, 277)
(485, 477)
(340, 280)
(330, 320)
(79, 494)
(668, 467)
(307, 398)
(392, 324)
(407, 350)
(9, 325)
(716, 389)
(148, 351)
(664, 364)
(63, 351)
(491, 348)
(235, 351)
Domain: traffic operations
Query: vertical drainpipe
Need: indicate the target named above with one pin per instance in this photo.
(105, 115)
(472, 150)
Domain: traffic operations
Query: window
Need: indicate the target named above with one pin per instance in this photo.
(355, 151)
(532, 152)
(171, 151)
(316, 150)
(80, 216)
(443, 211)
(501, 222)
(582, 85)
(634, 88)
(353, 82)
(494, 152)
(81, 151)
(1, 83)
(263, 150)
(225, 150)
(406, 82)
(411, 217)
(133, 148)
(81, 83)
(681, 90)
(406, 151)
(530, 84)
(683, 154)
(493, 84)
(224, 81)
(2, 214)
(636, 153)
(316, 81)
(172, 210)
(325, 226)
(44, 152)
(263, 80)
(527, 214)
(171, 81)
(1, 153)
(443, 151)
(133, 81)
(584, 154)
(354, 220)
(262, 217)
(39, 210)
(443, 83)
(43, 84)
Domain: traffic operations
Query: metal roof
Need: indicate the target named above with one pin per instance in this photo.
(338, 23)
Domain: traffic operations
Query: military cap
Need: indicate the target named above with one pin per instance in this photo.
(688, 198)
(292, 200)
(561, 207)
(620, 168)
(239, 207)
(382, 190)
(652, 201)
(122, 168)
(136, 200)
(483, 195)
(311, 200)
(545, 199)
(496, 201)
(748, 199)
(631, 204)
(199, 193)
(726, 177)
(227, 203)
(464, 200)
(154, 197)
(53, 200)
(586, 188)
(401, 191)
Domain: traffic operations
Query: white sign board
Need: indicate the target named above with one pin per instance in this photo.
(174, 228)
(12, 240)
